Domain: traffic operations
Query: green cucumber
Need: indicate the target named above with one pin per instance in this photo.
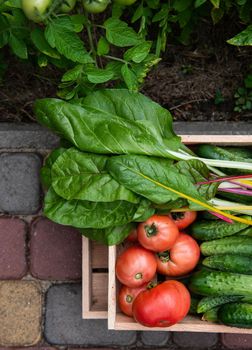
(246, 232)
(234, 197)
(229, 262)
(208, 303)
(211, 315)
(206, 230)
(216, 283)
(193, 306)
(224, 153)
(228, 245)
(236, 315)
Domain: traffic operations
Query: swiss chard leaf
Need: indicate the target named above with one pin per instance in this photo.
(45, 171)
(78, 175)
(151, 178)
(144, 211)
(197, 171)
(131, 106)
(110, 235)
(85, 214)
(99, 132)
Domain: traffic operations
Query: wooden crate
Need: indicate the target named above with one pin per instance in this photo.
(92, 290)
(94, 280)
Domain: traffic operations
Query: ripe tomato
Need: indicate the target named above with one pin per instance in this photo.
(125, 2)
(183, 219)
(158, 233)
(181, 259)
(132, 237)
(95, 6)
(135, 266)
(163, 305)
(67, 5)
(35, 9)
(126, 297)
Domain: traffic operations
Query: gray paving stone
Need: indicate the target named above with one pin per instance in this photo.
(34, 136)
(195, 340)
(19, 183)
(64, 325)
(155, 338)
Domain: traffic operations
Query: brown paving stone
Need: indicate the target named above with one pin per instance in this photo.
(55, 251)
(20, 313)
(12, 248)
(237, 341)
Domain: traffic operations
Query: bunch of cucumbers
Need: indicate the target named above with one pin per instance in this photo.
(225, 276)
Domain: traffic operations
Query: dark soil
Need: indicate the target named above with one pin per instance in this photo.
(196, 83)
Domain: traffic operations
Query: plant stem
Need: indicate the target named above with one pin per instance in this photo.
(115, 59)
(90, 38)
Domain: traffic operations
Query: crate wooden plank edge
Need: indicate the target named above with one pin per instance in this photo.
(231, 140)
(87, 312)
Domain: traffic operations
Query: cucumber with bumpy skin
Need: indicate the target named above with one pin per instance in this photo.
(207, 303)
(206, 230)
(217, 283)
(224, 153)
(236, 315)
(230, 263)
(211, 315)
(229, 245)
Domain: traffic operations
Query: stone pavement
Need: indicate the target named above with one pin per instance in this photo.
(40, 266)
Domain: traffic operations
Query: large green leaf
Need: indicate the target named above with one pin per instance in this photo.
(131, 106)
(110, 235)
(99, 132)
(78, 175)
(38, 39)
(197, 171)
(85, 214)
(60, 34)
(45, 171)
(132, 170)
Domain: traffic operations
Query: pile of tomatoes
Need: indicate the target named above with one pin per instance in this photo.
(157, 246)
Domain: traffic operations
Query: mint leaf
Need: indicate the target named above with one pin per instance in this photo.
(120, 34)
(98, 76)
(102, 47)
(39, 41)
(244, 38)
(18, 46)
(61, 35)
(138, 53)
(129, 77)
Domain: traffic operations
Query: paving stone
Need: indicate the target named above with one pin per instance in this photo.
(195, 340)
(19, 183)
(55, 251)
(13, 263)
(155, 338)
(237, 341)
(29, 136)
(64, 325)
(20, 313)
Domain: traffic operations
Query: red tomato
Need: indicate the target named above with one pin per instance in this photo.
(181, 259)
(126, 297)
(132, 237)
(163, 305)
(136, 266)
(183, 219)
(158, 233)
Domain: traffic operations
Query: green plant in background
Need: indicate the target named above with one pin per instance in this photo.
(96, 42)
(243, 96)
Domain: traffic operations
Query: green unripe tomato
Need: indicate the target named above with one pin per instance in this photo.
(95, 6)
(67, 6)
(125, 2)
(35, 9)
